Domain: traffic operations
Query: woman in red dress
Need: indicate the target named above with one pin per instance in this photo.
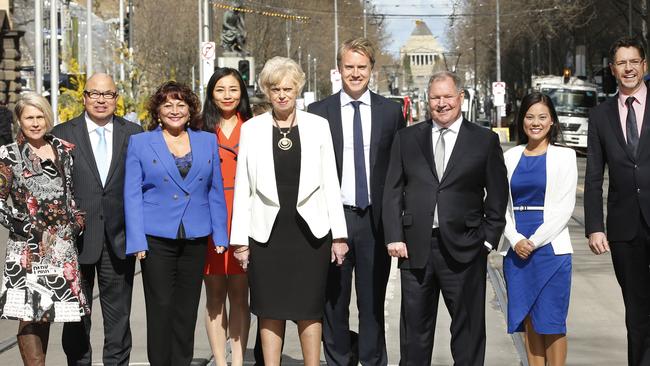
(226, 107)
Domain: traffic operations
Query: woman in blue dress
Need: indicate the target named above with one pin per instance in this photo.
(537, 249)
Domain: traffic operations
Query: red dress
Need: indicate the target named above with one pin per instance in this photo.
(226, 264)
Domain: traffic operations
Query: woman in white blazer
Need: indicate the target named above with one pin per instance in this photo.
(287, 205)
(537, 249)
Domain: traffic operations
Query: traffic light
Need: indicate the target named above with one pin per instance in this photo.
(244, 68)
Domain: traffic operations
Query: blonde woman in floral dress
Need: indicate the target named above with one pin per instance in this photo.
(41, 280)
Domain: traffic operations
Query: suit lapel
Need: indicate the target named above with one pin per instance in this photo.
(336, 128)
(615, 120)
(375, 129)
(425, 141)
(165, 157)
(118, 143)
(80, 132)
(461, 140)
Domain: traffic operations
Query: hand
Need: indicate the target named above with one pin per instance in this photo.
(397, 249)
(241, 253)
(219, 249)
(141, 255)
(523, 248)
(598, 243)
(339, 250)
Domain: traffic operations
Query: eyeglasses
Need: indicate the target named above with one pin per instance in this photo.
(94, 94)
(634, 62)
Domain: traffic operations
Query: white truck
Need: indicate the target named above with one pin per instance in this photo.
(572, 98)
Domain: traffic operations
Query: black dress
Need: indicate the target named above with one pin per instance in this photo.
(287, 275)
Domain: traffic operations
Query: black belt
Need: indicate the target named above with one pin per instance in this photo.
(355, 208)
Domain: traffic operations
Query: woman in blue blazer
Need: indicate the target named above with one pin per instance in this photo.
(173, 193)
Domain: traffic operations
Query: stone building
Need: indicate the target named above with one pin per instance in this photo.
(420, 56)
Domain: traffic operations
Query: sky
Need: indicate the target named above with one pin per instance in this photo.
(401, 16)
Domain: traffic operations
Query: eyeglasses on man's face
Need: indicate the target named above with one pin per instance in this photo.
(635, 62)
(94, 94)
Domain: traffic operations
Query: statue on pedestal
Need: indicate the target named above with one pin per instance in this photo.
(233, 32)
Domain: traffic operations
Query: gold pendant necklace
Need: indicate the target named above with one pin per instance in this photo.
(284, 143)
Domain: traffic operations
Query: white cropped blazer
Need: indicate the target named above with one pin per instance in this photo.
(559, 200)
(256, 204)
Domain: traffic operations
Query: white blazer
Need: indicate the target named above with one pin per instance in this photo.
(256, 204)
(559, 200)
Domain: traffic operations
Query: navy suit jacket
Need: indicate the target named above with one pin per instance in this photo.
(157, 199)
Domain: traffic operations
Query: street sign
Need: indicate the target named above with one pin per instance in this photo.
(335, 78)
(208, 51)
(499, 93)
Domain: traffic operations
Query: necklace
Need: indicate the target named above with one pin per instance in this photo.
(284, 143)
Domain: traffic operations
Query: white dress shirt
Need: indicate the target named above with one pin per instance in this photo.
(94, 138)
(348, 195)
(450, 140)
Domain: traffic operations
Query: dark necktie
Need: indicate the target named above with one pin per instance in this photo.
(360, 180)
(630, 126)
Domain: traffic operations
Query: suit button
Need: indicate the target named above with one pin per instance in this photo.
(636, 166)
(155, 161)
(175, 196)
(165, 179)
(103, 194)
(638, 190)
(101, 217)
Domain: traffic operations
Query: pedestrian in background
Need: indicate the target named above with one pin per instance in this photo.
(287, 203)
(6, 125)
(617, 138)
(41, 278)
(537, 264)
(173, 198)
(225, 109)
(101, 138)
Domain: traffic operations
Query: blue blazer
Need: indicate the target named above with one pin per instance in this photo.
(157, 199)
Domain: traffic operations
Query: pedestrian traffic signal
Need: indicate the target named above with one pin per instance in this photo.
(244, 68)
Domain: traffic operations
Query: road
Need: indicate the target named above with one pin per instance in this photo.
(596, 330)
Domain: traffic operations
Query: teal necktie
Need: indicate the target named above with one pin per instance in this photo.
(101, 154)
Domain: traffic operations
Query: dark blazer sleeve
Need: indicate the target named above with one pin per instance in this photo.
(393, 195)
(496, 199)
(593, 204)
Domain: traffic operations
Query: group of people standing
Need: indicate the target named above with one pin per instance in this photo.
(294, 205)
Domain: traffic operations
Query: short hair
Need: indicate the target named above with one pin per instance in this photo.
(554, 134)
(625, 42)
(37, 101)
(261, 108)
(360, 45)
(276, 69)
(442, 75)
(211, 112)
(174, 90)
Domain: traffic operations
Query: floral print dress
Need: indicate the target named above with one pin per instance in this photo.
(41, 279)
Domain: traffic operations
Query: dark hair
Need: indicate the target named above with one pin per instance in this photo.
(174, 90)
(211, 112)
(625, 42)
(555, 133)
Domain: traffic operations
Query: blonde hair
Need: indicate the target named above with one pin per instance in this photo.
(359, 45)
(37, 101)
(278, 68)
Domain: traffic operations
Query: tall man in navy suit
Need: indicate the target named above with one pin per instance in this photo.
(101, 139)
(618, 136)
(362, 124)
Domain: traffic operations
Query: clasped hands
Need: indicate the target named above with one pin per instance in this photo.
(523, 248)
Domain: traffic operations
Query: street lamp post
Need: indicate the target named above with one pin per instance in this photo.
(38, 45)
(121, 34)
(308, 71)
(54, 63)
(201, 92)
(336, 32)
(89, 38)
(316, 80)
(498, 60)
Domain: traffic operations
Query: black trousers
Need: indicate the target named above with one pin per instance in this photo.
(370, 262)
(172, 275)
(115, 281)
(631, 261)
(463, 290)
